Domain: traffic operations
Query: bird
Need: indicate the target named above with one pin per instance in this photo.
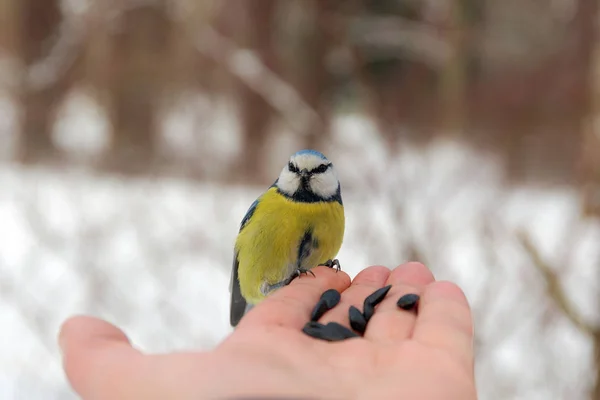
(296, 224)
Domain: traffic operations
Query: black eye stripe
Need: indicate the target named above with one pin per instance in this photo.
(320, 169)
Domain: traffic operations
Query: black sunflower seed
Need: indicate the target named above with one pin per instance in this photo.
(408, 301)
(372, 300)
(329, 299)
(314, 329)
(339, 332)
(332, 297)
(357, 320)
(332, 332)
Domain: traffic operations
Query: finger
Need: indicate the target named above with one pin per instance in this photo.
(445, 322)
(391, 324)
(98, 359)
(291, 305)
(366, 282)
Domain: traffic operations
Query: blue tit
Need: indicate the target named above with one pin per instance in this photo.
(297, 224)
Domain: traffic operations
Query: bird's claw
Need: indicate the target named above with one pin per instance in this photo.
(332, 263)
(299, 271)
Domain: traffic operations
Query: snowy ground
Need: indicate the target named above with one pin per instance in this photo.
(152, 255)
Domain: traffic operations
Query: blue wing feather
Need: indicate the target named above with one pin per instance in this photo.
(238, 304)
(249, 214)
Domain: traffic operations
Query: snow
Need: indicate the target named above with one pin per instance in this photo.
(153, 255)
(82, 126)
(201, 130)
(8, 121)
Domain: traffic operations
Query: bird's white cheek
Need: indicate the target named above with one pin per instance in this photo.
(324, 186)
(288, 183)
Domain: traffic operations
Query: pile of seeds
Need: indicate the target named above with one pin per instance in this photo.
(333, 331)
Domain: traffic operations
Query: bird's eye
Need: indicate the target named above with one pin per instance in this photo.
(322, 168)
(292, 167)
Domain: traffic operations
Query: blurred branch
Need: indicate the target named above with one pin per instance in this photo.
(45, 72)
(73, 32)
(491, 293)
(247, 66)
(556, 292)
(400, 36)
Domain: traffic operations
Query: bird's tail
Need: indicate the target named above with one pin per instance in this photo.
(238, 306)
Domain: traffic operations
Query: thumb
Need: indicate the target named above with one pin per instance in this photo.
(96, 357)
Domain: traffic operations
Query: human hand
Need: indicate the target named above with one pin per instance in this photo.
(402, 355)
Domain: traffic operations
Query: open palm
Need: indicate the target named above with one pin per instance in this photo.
(402, 355)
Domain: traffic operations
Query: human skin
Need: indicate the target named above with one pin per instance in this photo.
(401, 356)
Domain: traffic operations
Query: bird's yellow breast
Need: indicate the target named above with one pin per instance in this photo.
(267, 247)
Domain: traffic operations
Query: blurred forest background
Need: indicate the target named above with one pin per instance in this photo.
(170, 110)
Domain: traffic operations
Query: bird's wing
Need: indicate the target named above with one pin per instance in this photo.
(238, 303)
(249, 214)
(306, 247)
(245, 220)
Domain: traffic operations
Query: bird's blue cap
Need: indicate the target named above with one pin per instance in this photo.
(311, 152)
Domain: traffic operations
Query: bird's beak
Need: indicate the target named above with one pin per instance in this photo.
(305, 178)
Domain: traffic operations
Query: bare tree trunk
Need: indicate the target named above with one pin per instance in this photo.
(454, 77)
(135, 83)
(400, 89)
(189, 69)
(37, 20)
(97, 69)
(590, 149)
(255, 112)
(9, 32)
(8, 25)
(314, 80)
(36, 128)
(595, 393)
(587, 54)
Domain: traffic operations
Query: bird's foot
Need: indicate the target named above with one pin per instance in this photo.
(296, 274)
(332, 263)
(299, 271)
